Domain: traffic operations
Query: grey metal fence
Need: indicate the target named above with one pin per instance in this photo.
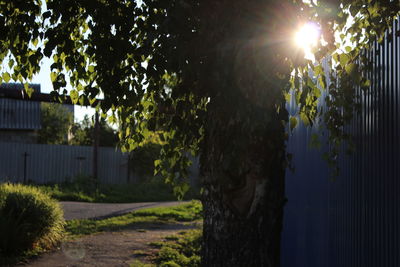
(58, 163)
(352, 220)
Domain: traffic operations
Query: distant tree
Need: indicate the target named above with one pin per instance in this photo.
(55, 121)
(83, 133)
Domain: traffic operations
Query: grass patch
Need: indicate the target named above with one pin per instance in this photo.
(182, 250)
(138, 263)
(139, 252)
(83, 189)
(156, 244)
(137, 219)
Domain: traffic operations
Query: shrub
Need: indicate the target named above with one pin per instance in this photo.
(141, 160)
(29, 219)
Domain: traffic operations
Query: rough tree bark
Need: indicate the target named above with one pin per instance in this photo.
(243, 151)
(242, 209)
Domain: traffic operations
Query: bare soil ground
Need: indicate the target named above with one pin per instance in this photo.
(109, 248)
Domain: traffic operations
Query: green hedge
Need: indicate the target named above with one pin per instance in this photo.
(29, 219)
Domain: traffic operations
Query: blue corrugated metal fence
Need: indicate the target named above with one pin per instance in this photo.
(352, 220)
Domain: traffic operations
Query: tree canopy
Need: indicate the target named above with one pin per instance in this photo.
(212, 76)
(349, 29)
(55, 123)
(83, 133)
(151, 59)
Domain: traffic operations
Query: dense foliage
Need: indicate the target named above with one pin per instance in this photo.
(348, 30)
(136, 52)
(29, 219)
(56, 120)
(82, 133)
(141, 160)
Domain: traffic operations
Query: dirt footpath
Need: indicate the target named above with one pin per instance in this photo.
(109, 249)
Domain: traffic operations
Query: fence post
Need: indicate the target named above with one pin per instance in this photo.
(95, 147)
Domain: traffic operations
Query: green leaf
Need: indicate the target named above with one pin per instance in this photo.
(322, 82)
(318, 70)
(343, 59)
(11, 63)
(292, 122)
(335, 57)
(305, 119)
(6, 77)
(74, 95)
(351, 68)
(366, 84)
(35, 42)
(53, 76)
(287, 97)
(157, 163)
(28, 89)
(316, 92)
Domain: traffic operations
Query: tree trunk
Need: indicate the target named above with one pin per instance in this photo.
(243, 209)
(243, 152)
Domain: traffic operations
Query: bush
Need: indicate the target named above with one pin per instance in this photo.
(29, 219)
(141, 160)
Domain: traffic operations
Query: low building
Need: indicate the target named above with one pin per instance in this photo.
(19, 119)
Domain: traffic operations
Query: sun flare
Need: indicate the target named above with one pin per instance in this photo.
(307, 37)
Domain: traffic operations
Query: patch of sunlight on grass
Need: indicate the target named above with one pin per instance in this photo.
(182, 213)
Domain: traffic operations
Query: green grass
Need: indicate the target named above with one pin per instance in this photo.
(182, 249)
(178, 250)
(138, 263)
(83, 189)
(137, 220)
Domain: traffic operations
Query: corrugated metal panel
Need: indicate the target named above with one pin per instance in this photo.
(354, 219)
(58, 163)
(19, 114)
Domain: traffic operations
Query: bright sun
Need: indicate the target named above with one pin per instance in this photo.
(307, 37)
